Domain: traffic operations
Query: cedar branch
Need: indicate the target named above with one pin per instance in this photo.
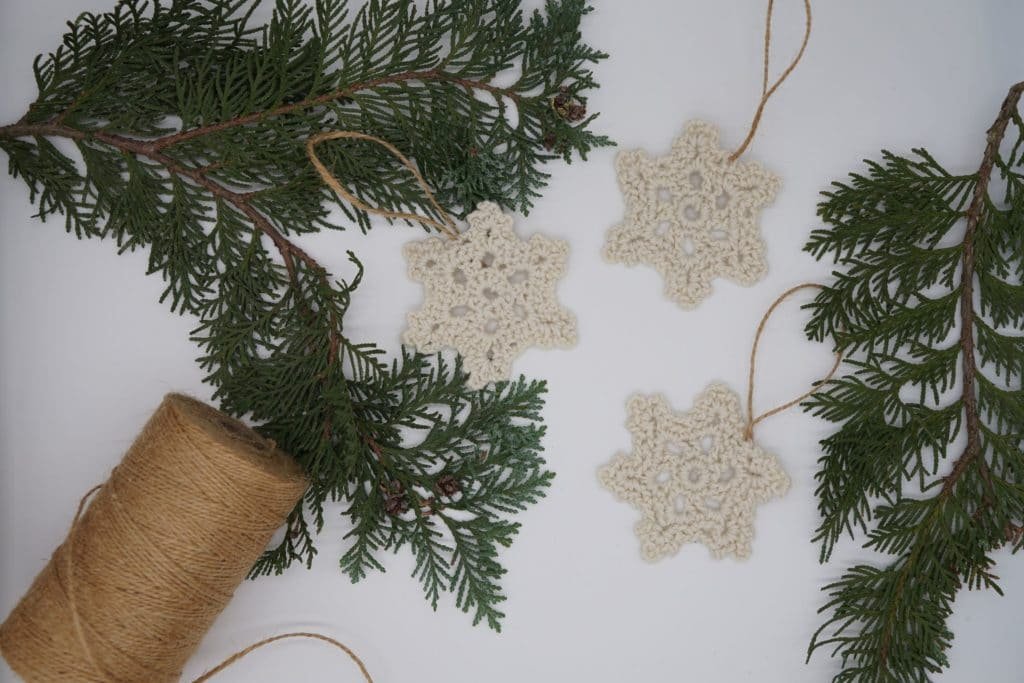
(974, 214)
(154, 150)
(972, 420)
(256, 117)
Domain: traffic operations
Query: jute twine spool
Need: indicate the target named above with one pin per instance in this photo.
(157, 554)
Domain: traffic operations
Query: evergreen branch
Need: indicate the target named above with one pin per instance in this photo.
(256, 117)
(208, 169)
(891, 311)
(974, 216)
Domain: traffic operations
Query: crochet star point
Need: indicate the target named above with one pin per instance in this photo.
(693, 215)
(693, 475)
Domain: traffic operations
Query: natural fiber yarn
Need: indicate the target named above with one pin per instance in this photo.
(694, 476)
(489, 294)
(693, 215)
(157, 554)
(699, 476)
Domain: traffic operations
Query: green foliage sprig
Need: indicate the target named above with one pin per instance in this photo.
(191, 120)
(928, 460)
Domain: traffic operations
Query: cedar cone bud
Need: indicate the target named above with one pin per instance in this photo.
(396, 504)
(549, 141)
(448, 485)
(575, 112)
(567, 107)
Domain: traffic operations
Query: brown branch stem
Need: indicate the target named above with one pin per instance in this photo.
(969, 367)
(256, 117)
(972, 453)
(153, 149)
(288, 249)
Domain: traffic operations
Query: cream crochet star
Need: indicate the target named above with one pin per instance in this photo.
(489, 295)
(693, 215)
(693, 476)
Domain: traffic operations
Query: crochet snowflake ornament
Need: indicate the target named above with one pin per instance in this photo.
(693, 215)
(693, 476)
(489, 295)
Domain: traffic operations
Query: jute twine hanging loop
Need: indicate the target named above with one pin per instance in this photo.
(752, 420)
(156, 555)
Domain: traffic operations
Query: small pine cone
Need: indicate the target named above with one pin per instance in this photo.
(448, 485)
(549, 141)
(396, 504)
(575, 112)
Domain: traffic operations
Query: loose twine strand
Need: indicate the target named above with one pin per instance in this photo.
(230, 660)
(748, 433)
(266, 641)
(447, 227)
(766, 91)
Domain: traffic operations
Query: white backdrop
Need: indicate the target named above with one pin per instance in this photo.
(86, 352)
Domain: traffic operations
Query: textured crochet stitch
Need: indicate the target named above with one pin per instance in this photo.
(693, 215)
(489, 295)
(693, 475)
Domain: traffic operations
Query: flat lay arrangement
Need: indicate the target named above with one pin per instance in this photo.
(391, 237)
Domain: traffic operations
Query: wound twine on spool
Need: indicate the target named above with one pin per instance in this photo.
(752, 421)
(157, 554)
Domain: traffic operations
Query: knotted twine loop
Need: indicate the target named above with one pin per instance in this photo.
(447, 227)
(748, 432)
(767, 92)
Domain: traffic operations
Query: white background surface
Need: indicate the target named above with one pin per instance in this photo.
(86, 352)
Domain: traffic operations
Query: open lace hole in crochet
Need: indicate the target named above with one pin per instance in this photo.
(713, 504)
(459, 311)
(489, 294)
(722, 200)
(718, 234)
(689, 249)
(487, 260)
(696, 180)
(664, 194)
(727, 474)
(662, 228)
(679, 504)
(663, 477)
(707, 443)
(491, 326)
(519, 277)
(458, 276)
(691, 213)
(430, 264)
(694, 475)
(674, 449)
